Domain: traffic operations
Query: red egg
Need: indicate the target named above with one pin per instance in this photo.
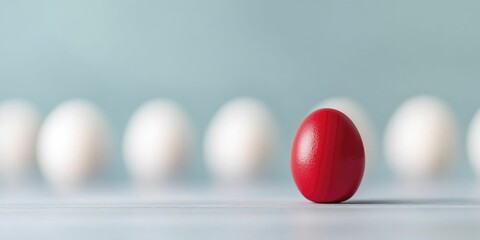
(327, 158)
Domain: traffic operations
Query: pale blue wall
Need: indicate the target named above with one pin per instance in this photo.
(290, 54)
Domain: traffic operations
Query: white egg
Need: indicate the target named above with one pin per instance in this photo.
(357, 114)
(157, 142)
(473, 143)
(421, 139)
(239, 141)
(73, 145)
(19, 123)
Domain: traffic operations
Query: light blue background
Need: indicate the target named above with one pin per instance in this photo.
(289, 54)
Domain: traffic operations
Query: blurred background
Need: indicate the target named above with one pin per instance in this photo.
(291, 55)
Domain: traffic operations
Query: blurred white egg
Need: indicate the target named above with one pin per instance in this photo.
(357, 114)
(239, 141)
(19, 123)
(421, 139)
(473, 143)
(73, 144)
(157, 142)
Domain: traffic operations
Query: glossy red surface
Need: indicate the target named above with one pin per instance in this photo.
(327, 158)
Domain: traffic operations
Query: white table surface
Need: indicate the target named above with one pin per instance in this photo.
(448, 211)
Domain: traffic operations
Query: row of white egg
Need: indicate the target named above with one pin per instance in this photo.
(420, 140)
(74, 140)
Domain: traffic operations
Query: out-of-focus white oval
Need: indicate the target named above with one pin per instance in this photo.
(19, 123)
(157, 142)
(73, 144)
(357, 114)
(421, 139)
(239, 141)
(473, 143)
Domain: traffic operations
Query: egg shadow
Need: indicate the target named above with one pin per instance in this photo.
(422, 201)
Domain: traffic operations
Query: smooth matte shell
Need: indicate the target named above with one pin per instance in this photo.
(73, 145)
(327, 158)
(19, 123)
(473, 143)
(240, 141)
(421, 140)
(157, 142)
